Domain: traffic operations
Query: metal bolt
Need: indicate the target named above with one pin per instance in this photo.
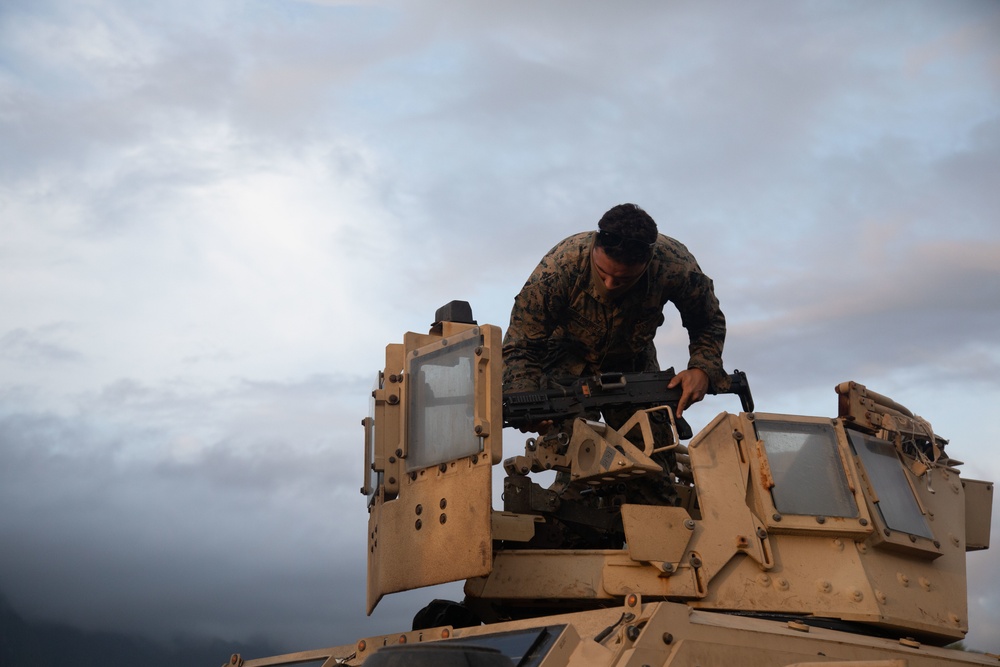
(863, 522)
(668, 638)
(443, 503)
(418, 524)
(444, 518)
(478, 429)
(689, 524)
(632, 633)
(776, 517)
(393, 399)
(419, 509)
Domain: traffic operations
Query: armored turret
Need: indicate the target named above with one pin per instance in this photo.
(774, 539)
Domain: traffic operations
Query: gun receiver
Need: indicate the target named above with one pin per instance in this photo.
(604, 390)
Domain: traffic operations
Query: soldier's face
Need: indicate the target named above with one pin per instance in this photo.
(617, 277)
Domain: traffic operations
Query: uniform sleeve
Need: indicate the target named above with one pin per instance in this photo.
(532, 322)
(705, 323)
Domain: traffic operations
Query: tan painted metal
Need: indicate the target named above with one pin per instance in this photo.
(435, 513)
(741, 570)
(668, 634)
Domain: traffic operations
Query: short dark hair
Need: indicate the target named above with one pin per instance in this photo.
(627, 234)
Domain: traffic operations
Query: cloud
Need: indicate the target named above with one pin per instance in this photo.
(214, 220)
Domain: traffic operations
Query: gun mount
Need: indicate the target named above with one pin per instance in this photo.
(782, 537)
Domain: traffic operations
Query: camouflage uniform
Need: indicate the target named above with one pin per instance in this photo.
(564, 324)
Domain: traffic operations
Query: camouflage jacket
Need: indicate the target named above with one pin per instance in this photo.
(563, 323)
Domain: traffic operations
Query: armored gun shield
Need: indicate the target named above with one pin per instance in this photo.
(431, 441)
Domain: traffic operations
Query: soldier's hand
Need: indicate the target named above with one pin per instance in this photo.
(694, 385)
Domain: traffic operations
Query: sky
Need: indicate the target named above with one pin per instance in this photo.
(214, 217)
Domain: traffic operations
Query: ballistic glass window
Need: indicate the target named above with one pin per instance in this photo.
(525, 648)
(896, 504)
(441, 415)
(806, 468)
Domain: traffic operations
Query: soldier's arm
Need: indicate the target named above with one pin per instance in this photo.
(525, 344)
(706, 326)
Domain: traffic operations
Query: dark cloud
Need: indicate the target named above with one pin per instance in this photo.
(115, 529)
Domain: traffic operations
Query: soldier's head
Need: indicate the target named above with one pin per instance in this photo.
(626, 234)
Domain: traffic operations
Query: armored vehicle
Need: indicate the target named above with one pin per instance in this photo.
(779, 540)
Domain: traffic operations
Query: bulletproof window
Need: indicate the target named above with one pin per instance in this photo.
(896, 504)
(807, 469)
(441, 390)
(525, 648)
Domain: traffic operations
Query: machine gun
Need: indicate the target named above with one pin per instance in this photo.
(605, 390)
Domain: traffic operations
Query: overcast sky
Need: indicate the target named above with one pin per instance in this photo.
(214, 216)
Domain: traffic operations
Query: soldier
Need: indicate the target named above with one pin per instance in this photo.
(594, 304)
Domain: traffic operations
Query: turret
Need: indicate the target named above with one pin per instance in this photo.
(858, 521)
